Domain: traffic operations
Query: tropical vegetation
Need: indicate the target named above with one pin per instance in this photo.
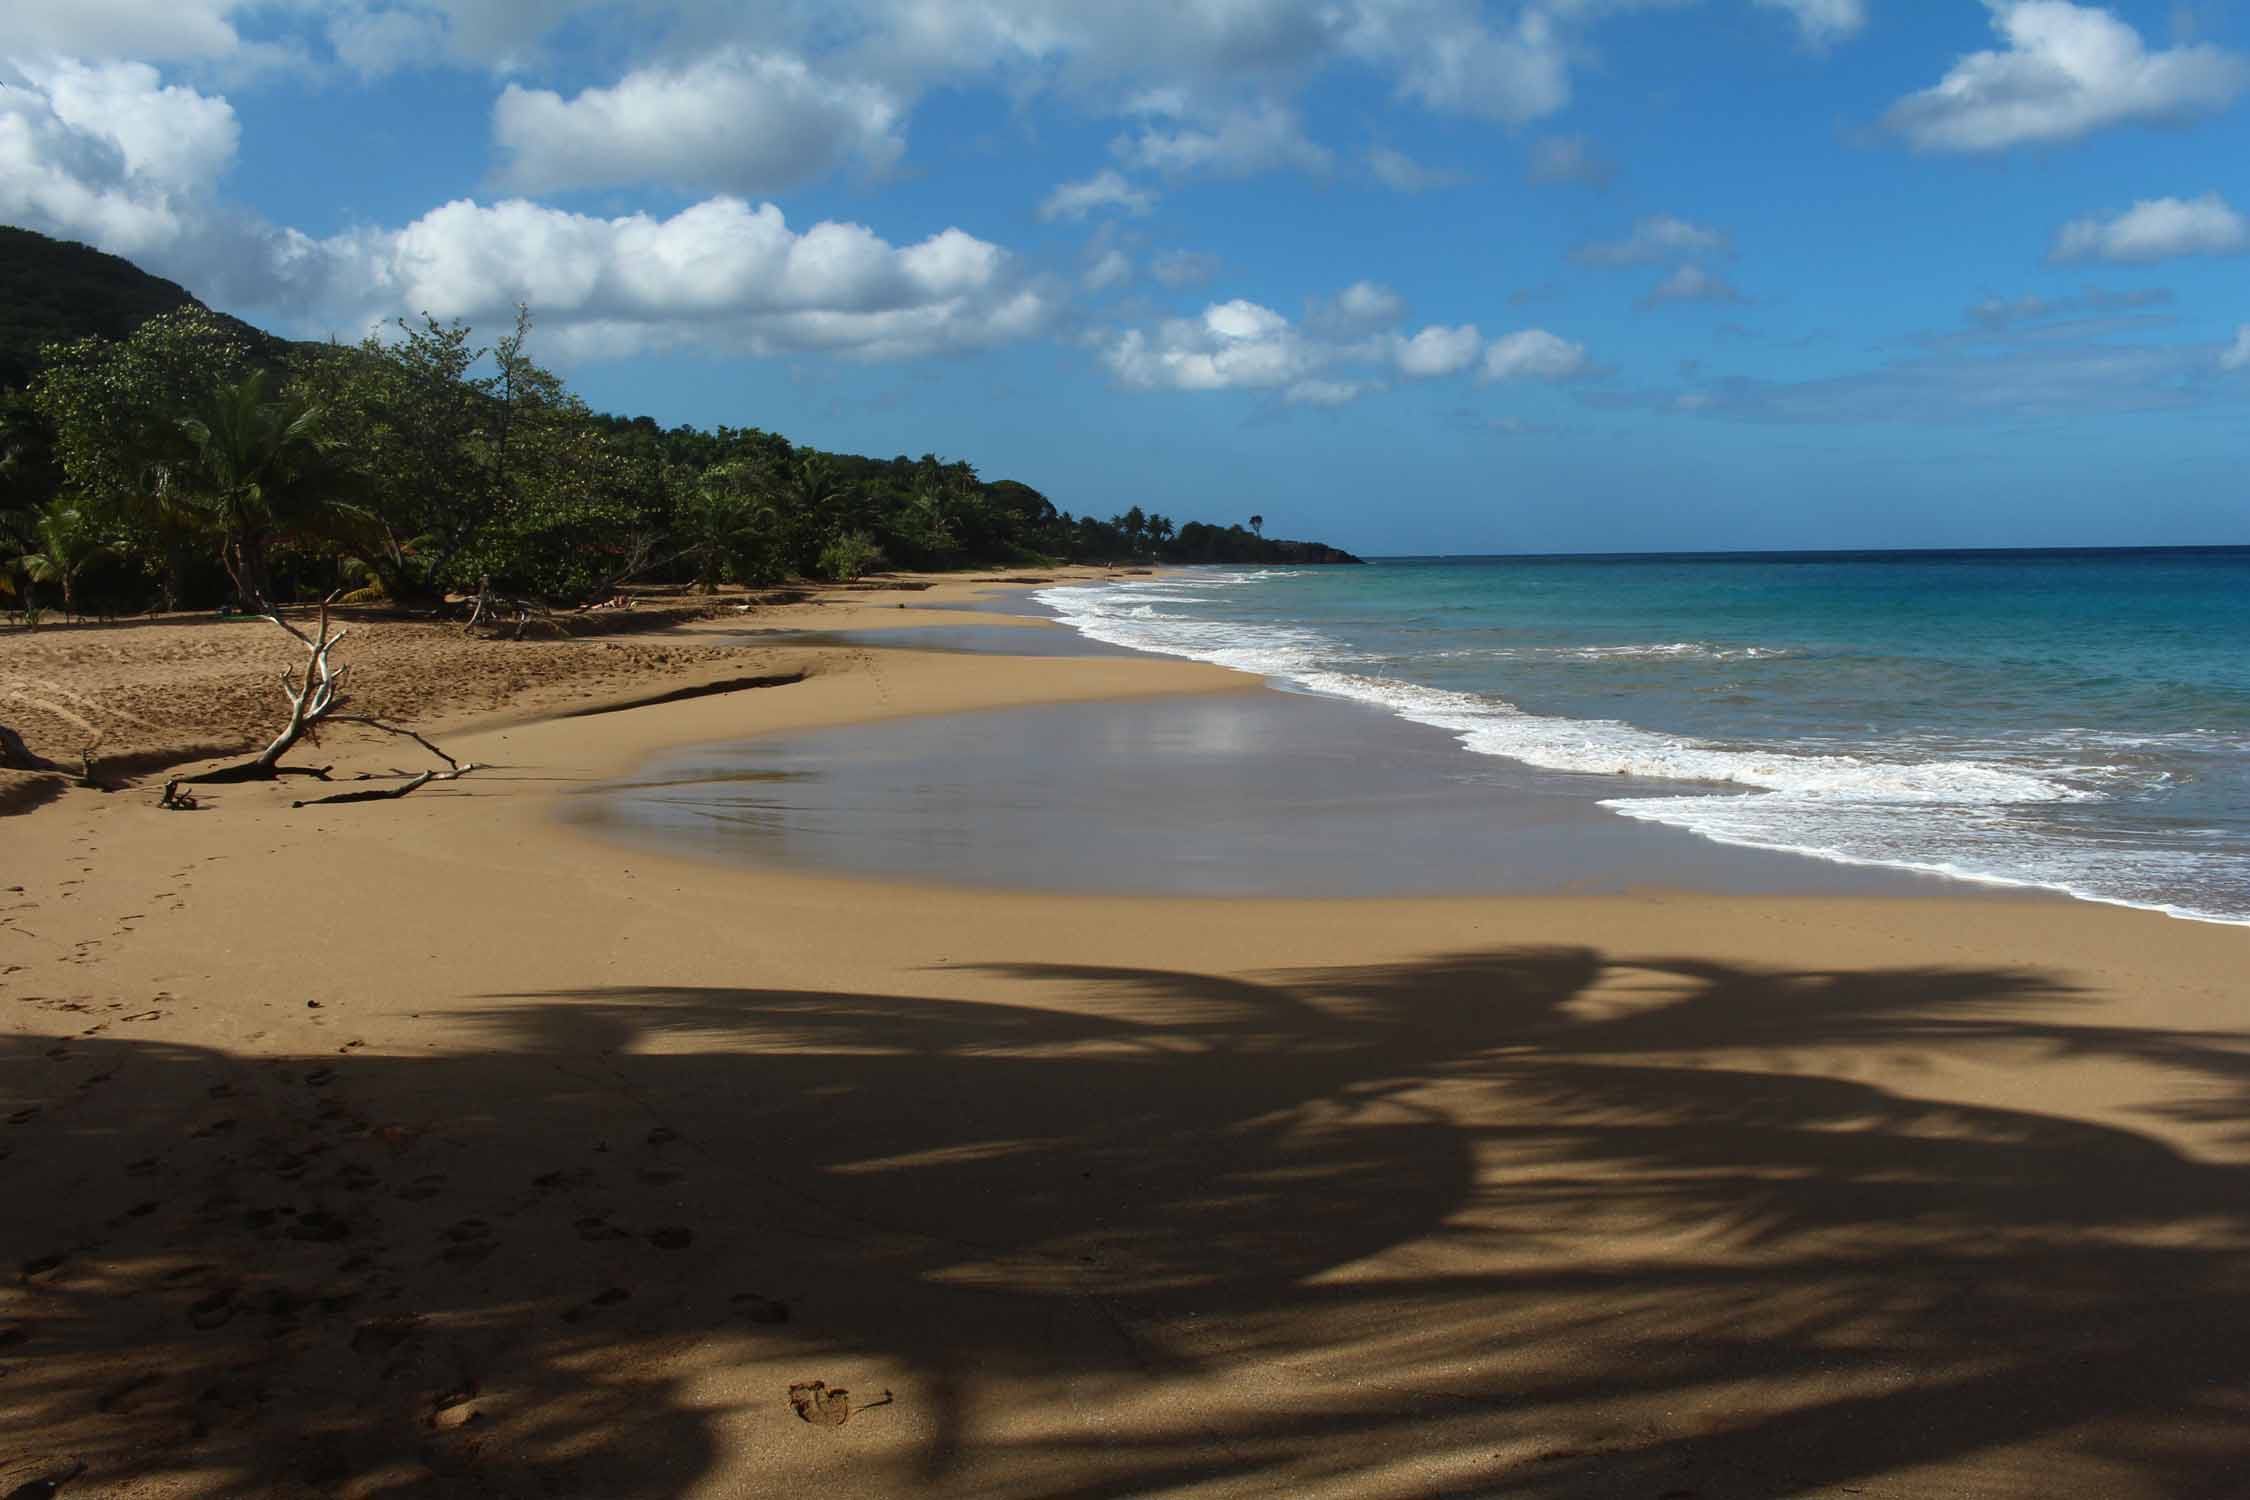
(193, 462)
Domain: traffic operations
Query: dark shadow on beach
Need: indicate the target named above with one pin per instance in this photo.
(1465, 1214)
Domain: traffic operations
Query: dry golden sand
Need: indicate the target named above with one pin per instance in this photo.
(432, 1148)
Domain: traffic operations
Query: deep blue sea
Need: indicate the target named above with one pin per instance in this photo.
(2073, 720)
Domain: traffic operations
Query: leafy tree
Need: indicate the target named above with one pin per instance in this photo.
(109, 414)
(432, 465)
(254, 466)
(847, 555)
(114, 407)
(421, 428)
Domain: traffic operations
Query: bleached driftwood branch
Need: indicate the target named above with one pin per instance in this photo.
(316, 696)
(415, 780)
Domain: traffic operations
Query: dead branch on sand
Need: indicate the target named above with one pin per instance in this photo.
(415, 780)
(316, 697)
(489, 606)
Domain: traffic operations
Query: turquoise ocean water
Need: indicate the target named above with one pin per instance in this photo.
(2072, 720)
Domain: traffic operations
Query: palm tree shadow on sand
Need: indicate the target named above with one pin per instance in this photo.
(1533, 1222)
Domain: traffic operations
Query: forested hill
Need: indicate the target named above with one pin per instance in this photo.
(56, 291)
(148, 445)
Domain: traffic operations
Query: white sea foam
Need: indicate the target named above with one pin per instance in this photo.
(1491, 726)
(1986, 849)
(1909, 807)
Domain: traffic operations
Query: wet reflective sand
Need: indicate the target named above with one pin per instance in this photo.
(1249, 794)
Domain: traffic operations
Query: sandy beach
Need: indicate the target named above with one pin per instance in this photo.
(441, 1147)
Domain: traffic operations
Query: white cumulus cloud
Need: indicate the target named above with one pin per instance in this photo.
(2236, 356)
(1105, 189)
(1363, 304)
(2157, 229)
(1234, 344)
(1693, 284)
(1403, 174)
(1350, 346)
(1455, 63)
(1823, 23)
(2066, 71)
(720, 274)
(147, 30)
(109, 153)
(1658, 237)
(1110, 268)
(1438, 350)
(736, 121)
(1243, 142)
(1535, 354)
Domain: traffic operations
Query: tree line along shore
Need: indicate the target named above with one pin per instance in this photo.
(157, 455)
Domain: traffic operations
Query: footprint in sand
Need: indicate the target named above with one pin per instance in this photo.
(25, 1115)
(607, 1297)
(385, 1335)
(320, 1227)
(213, 1311)
(594, 1229)
(672, 1237)
(469, 1242)
(422, 1189)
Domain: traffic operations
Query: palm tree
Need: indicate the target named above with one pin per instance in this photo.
(809, 486)
(69, 541)
(721, 520)
(816, 505)
(253, 467)
(1258, 525)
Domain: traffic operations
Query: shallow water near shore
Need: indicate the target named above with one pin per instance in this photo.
(1243, 795)
(2073, 721)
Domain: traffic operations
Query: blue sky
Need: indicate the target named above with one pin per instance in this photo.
(1407, 275)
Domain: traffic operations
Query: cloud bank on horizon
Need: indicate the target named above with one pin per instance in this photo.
(1577, 219)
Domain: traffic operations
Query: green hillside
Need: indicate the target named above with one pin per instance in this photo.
(52, 291)
(164, 439)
